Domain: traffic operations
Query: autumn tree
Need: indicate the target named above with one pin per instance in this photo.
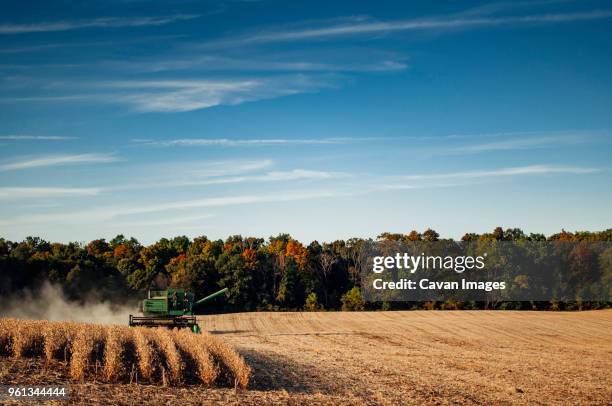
(196, 273)
(430, 235)
(414, 236)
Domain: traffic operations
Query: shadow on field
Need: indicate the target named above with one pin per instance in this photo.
(276, 372)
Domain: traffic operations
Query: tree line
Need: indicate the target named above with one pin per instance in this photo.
(279, 273)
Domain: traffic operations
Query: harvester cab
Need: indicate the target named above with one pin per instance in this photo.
(171, 308)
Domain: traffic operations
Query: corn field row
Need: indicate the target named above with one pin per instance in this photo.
(123, 354)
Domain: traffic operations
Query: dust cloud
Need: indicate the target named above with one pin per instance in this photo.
(50, 303)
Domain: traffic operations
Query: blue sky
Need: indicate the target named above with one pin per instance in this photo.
(163, 118)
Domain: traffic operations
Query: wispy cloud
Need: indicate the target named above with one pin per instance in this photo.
(515, 171)
(211, 174)
(441, 23)
(35, 137)
(16, 193)
(276, 63)
(48, 99)
(175, 171)
(170, 96)
(470, 178)
(107, 22)
(168, 221)
(225, 167)
(230, 201)
(88, 44)
(188, 95)
(275, 176)
(297, 174)
(236, 142)
(105, 214)
(517, 143)
(224, 174)
(56, 160)
(167, 96)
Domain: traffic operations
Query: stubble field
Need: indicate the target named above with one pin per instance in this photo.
(419, 357)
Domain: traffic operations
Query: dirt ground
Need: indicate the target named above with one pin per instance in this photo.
(418, 357)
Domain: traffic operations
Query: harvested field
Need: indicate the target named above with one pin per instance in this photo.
(420, 357)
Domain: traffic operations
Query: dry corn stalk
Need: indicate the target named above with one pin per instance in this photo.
(58, 337)
(158, 355)
(118, 353)
(28, 339)
(147, 353)
(87, 350)
(189, 343)
(7, 332)
(233, 366)
(173, 362)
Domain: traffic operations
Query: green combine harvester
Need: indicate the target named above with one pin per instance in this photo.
(171, 308)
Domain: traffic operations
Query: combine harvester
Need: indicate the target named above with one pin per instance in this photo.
(171, 308)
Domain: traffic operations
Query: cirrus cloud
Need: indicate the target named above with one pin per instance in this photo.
(57, 160)
(104, 22)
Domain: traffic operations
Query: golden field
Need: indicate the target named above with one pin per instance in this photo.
(417, 357)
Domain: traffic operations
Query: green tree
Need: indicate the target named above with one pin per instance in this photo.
(312, 303)
(352, 301)
(236, 277)
(291, 290)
